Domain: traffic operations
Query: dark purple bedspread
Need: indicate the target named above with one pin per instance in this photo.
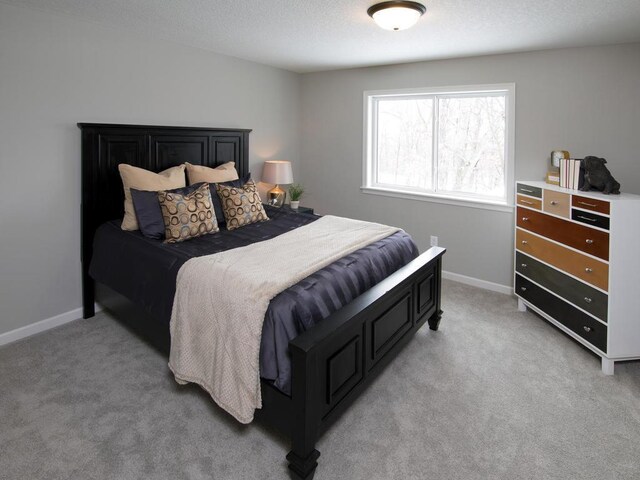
(145, 271)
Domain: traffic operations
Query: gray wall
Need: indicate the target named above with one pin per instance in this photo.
(56, 71)
(584, 100)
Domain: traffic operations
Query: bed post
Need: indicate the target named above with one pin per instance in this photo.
(434, 320)
(304, 432)
(88, 295)
(87, 214)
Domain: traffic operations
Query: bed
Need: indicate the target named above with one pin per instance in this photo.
(329, 363)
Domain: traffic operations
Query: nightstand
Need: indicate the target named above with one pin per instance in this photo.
(299, 209)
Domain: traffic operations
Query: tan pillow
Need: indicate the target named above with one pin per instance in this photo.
(241, 205)
(187, 215)
(141, 179)
(222, 173)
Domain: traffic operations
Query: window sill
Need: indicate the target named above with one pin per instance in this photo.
(435, 198)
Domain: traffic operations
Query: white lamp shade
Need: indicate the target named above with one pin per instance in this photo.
(396, 18)
(277, 172)
(396, 14)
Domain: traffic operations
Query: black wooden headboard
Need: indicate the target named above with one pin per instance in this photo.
(155, 148)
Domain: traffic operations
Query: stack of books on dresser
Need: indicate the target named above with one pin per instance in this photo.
(571, 174)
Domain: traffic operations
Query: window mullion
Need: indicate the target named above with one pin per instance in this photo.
(435, 124)
(374, 142)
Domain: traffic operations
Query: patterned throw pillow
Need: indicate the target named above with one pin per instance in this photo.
(241, 205)
(187, 215)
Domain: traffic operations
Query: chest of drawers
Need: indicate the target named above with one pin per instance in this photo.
(577, 264)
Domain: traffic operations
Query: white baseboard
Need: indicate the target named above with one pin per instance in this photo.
(476, 282)
(42, 326)
(76, 314)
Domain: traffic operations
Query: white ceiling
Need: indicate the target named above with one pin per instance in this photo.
(308, 35)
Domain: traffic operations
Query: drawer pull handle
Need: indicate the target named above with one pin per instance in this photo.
(587, 299)
(523, 265)
(587, 329)
(588, 270)
(553, 202)
(589, 241)
(525, 219)
(587, 204)
(524, 289)
(586, 218)
(526, 202)
(525, 190)
(524, 242)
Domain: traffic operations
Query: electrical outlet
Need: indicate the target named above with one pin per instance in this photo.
(434, 241)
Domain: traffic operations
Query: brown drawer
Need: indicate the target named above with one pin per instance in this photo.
(593, 242)
(586, 268)
(557, 203)
(529, 202)
(587, 203)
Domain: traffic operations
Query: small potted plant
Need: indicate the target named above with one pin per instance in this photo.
(295, 194)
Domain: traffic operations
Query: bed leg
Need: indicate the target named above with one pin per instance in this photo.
(303, 468)
(434, 321)
(306, 412)
(88, 296)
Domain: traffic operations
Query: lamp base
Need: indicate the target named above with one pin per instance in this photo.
(276, 196)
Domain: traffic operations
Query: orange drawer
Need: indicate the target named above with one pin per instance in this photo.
(588, 269)
(591, 204)
(529, 202)
(589, 240)
(557, 203)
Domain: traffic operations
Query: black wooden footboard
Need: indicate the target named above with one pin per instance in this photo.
(335, 360)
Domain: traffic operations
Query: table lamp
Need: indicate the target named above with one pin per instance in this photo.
(277, 172)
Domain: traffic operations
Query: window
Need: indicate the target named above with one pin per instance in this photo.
(447, 144)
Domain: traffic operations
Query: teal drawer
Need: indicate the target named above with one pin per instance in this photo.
(574, 291)
(529, 190)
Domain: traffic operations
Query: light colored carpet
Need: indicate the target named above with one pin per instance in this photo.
(495, 394)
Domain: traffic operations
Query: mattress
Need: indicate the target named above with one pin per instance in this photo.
(144, 270)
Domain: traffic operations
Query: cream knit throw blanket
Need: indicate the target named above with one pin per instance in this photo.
(221, 301)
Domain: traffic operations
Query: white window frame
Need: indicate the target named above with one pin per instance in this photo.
(370, 185)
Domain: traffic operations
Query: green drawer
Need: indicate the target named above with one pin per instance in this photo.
(529, 190)
(574, 291)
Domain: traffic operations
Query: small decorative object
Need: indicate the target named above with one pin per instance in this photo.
(277, 172)
(556, 155)
(553, 177)
(396, 15)
(295, 194)
(598, 177)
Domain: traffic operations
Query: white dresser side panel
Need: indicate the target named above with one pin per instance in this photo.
(624, 276)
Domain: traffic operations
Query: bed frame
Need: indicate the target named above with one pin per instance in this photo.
(333, 362)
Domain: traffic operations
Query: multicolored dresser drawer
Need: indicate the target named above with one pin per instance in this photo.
(577, 264)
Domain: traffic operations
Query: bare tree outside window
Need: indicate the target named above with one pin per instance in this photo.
(471, 145)
(448, 144)
(405, 142)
